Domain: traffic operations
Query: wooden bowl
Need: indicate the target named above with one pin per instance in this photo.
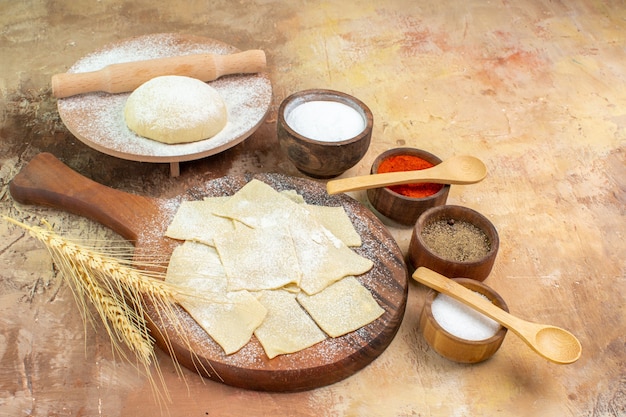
(453, 347)
(319, 158)
(420, 254)
(400, 208)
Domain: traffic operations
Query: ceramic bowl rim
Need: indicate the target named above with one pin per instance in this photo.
(327, 95)
(495, 241)
(416, 151)
(430, 297)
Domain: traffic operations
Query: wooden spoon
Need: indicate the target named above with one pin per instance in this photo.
(127, 76)
(463, 169)
(553, 343)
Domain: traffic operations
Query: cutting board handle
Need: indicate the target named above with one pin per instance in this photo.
(47, 181)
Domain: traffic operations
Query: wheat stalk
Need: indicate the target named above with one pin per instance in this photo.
(124, 324)
(116, 289)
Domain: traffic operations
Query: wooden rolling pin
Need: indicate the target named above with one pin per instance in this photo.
(120, 78)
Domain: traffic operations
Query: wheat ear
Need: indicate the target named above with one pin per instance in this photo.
(116, 290)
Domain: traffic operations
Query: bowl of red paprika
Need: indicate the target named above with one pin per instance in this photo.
(406, 202)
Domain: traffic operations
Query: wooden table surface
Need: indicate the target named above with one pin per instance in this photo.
(535, 88)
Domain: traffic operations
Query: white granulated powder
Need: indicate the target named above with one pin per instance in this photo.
(98, 118)
(461, 320)
(326, 121)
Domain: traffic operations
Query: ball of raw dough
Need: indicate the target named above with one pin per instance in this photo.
(175, 109)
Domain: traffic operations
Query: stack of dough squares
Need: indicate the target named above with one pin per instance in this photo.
(270, 265)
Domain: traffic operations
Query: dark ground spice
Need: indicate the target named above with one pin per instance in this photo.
(456, 240)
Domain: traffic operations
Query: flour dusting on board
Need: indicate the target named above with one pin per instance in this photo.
(382, 280)
(98, 118)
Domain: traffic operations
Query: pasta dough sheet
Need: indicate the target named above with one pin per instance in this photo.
(229, 318)
(287, 328)
(197, 263)
(342, 308)
(336, 220)
(257, 259)
(257, 204)
(195, 220)
(270, 265)
(322, 257)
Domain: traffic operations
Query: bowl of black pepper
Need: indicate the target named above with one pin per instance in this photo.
(455, 241)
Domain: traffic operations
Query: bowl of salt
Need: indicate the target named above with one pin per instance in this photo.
(324, 132)
(458, 332)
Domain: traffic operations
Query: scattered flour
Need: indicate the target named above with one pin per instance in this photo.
(98, 118)
(387, 280)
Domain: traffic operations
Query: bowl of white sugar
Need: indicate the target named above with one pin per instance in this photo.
(324, 132)
(458, 332)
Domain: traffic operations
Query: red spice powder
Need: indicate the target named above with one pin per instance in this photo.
(409, 163)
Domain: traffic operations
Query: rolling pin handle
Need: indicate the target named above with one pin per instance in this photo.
(127, 76)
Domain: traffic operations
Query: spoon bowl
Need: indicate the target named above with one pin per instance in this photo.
(558, 344)
(460, 169)
(553, 343)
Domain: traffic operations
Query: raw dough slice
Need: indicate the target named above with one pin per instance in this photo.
(199, 263)
(258, 259)
(342, 307)
(322, 257)
(287, 328)
(175, 109)
(323, 262)
(257, 204)
(336, 220)
(230, 321)
(229, 318)
(195, 220)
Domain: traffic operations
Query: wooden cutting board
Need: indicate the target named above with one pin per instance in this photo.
(143, 221)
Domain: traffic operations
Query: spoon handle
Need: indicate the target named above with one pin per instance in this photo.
(448, 287)
(437, 174)
(463, 169)
(553, 343)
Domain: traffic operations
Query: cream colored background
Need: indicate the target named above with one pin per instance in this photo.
(537, 89)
